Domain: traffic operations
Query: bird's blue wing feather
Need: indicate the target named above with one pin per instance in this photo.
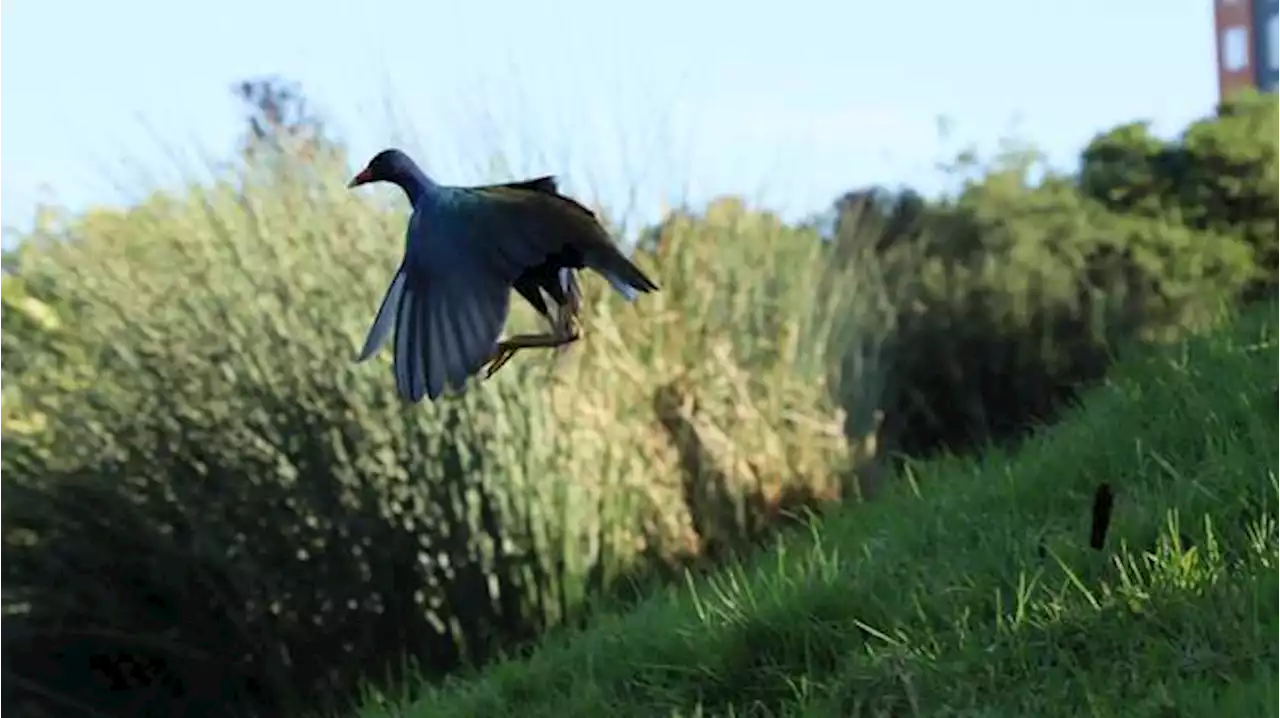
(384, 320)
(447, 327)
(500, 230)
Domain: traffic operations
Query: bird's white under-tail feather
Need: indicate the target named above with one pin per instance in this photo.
(569, 285)
(446, 329)
(627, 291)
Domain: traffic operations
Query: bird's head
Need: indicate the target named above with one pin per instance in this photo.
(390, 165)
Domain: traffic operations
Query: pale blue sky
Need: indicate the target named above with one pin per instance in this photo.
(789, 102)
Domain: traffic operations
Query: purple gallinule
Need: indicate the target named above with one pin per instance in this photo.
(466, 248)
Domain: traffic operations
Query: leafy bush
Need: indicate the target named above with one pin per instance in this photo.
(1220, 176)
(1024, 293)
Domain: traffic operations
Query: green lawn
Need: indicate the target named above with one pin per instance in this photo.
(972, 590)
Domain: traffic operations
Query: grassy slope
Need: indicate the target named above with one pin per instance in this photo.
(972, 591)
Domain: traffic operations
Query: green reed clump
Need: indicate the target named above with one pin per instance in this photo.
(211, 509)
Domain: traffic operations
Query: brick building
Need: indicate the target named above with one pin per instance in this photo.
(1246, 40)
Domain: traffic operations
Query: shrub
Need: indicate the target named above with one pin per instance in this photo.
(1020, 292)
(1220, 176)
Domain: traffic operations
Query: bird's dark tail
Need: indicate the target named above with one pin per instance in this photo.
(625, 277)
(603, 256)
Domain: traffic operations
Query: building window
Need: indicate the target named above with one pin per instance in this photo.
(1235, 48)
(1273, 36)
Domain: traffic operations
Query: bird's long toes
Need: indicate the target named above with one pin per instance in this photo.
(501, 356)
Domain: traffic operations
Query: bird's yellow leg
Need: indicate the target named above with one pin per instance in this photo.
(568, 325)
(565, 334)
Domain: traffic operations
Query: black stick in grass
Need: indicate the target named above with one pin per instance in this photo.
(1103, 501)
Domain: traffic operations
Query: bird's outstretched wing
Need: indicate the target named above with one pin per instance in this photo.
(446, 327)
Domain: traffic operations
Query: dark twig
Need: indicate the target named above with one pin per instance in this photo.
(1103, 500)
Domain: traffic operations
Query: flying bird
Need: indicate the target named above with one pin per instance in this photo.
(466, 248)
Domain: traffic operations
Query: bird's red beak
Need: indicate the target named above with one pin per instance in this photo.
(364, 177)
